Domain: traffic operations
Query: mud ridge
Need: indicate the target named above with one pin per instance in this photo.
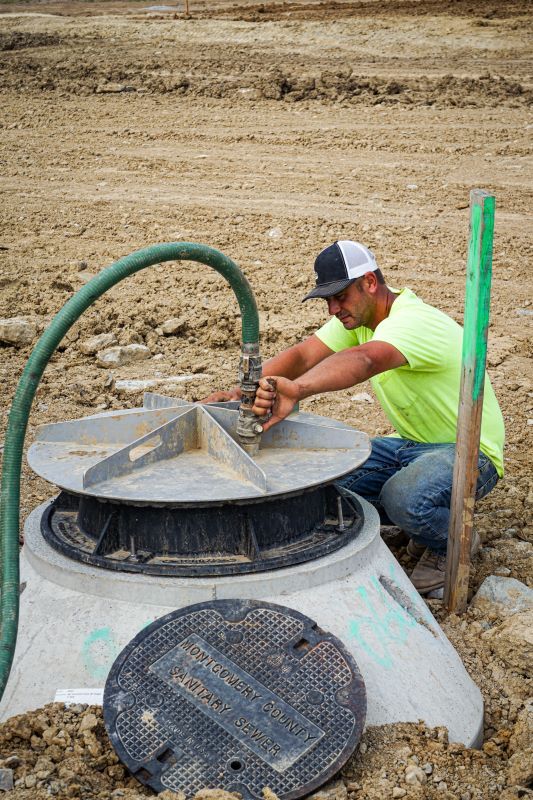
(339, 85)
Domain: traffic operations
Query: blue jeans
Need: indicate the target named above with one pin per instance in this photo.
(410, 484)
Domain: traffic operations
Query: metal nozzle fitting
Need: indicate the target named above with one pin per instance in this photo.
(249, 428)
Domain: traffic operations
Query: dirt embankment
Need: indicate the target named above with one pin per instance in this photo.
(328, 58)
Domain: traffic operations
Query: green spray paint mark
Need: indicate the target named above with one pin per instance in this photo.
(376, 631)
(98, 652)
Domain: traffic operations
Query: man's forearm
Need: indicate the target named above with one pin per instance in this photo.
(298, 359)
(331, 373)
(289, 364)
(339, 371)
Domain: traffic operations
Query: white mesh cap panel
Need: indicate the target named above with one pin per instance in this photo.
(358, 258)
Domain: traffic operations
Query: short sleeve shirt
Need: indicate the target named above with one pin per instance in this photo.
(421, 398)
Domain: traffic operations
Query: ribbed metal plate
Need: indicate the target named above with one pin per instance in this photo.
(189, 453)
(237, 695)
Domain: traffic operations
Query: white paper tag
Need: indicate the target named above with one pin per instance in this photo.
(93, 697)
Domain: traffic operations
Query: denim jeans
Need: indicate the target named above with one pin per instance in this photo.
(410, 484)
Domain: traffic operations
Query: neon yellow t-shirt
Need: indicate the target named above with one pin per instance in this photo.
(421, 398)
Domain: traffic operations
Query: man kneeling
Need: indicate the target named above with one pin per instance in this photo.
(411, 352)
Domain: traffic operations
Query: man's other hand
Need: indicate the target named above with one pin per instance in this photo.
(223, 397)
(276, 396)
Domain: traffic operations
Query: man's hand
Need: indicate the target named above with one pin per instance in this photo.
(223, 397)
(276, 396)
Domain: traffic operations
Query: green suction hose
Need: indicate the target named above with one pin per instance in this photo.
(29, 381)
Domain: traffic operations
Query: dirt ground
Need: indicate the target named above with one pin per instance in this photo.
(268, 130)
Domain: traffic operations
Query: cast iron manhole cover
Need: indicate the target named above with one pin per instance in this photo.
(237, 695)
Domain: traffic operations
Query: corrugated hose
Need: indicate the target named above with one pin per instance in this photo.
(29, 381)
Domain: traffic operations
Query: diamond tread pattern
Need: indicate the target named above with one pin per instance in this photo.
(150, 718)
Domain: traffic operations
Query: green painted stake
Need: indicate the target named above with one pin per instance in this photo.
(476, 324)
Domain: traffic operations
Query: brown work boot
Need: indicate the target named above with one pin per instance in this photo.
(393, 536)
(415, 550)
(429, 573)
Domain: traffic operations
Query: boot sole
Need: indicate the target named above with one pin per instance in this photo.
(431, 588)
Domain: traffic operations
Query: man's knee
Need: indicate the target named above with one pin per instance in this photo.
(401, 505)
(411, 496)
(382, 463)
(364, 482)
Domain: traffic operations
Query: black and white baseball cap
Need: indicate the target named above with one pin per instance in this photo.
(339, 265)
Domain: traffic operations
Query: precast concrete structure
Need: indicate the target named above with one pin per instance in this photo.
(76, 618)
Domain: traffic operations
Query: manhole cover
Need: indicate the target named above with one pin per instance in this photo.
(236, 695)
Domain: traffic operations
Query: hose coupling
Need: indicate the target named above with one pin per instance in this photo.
(249, 428)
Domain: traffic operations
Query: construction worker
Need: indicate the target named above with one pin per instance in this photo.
(411, 353)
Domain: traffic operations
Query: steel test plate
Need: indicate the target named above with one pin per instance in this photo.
(174, 453)
(237, 695)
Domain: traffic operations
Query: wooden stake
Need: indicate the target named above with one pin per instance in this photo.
(476, 323)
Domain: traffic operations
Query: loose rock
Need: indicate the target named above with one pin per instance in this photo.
(362, 397)
(6, 780)
(503, 596)
(335, 790)
(17, 331)
(111, 88)
(122, 355)
(88, 722)
(415, 776)
(216, 794)
(523, 731)
(91, 346)
(520, 767)
(512, 641)
(136, 385)
(173, 326)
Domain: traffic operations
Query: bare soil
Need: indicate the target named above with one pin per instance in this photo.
(268, 130)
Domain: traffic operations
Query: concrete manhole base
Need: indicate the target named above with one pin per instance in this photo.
(75, 619)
